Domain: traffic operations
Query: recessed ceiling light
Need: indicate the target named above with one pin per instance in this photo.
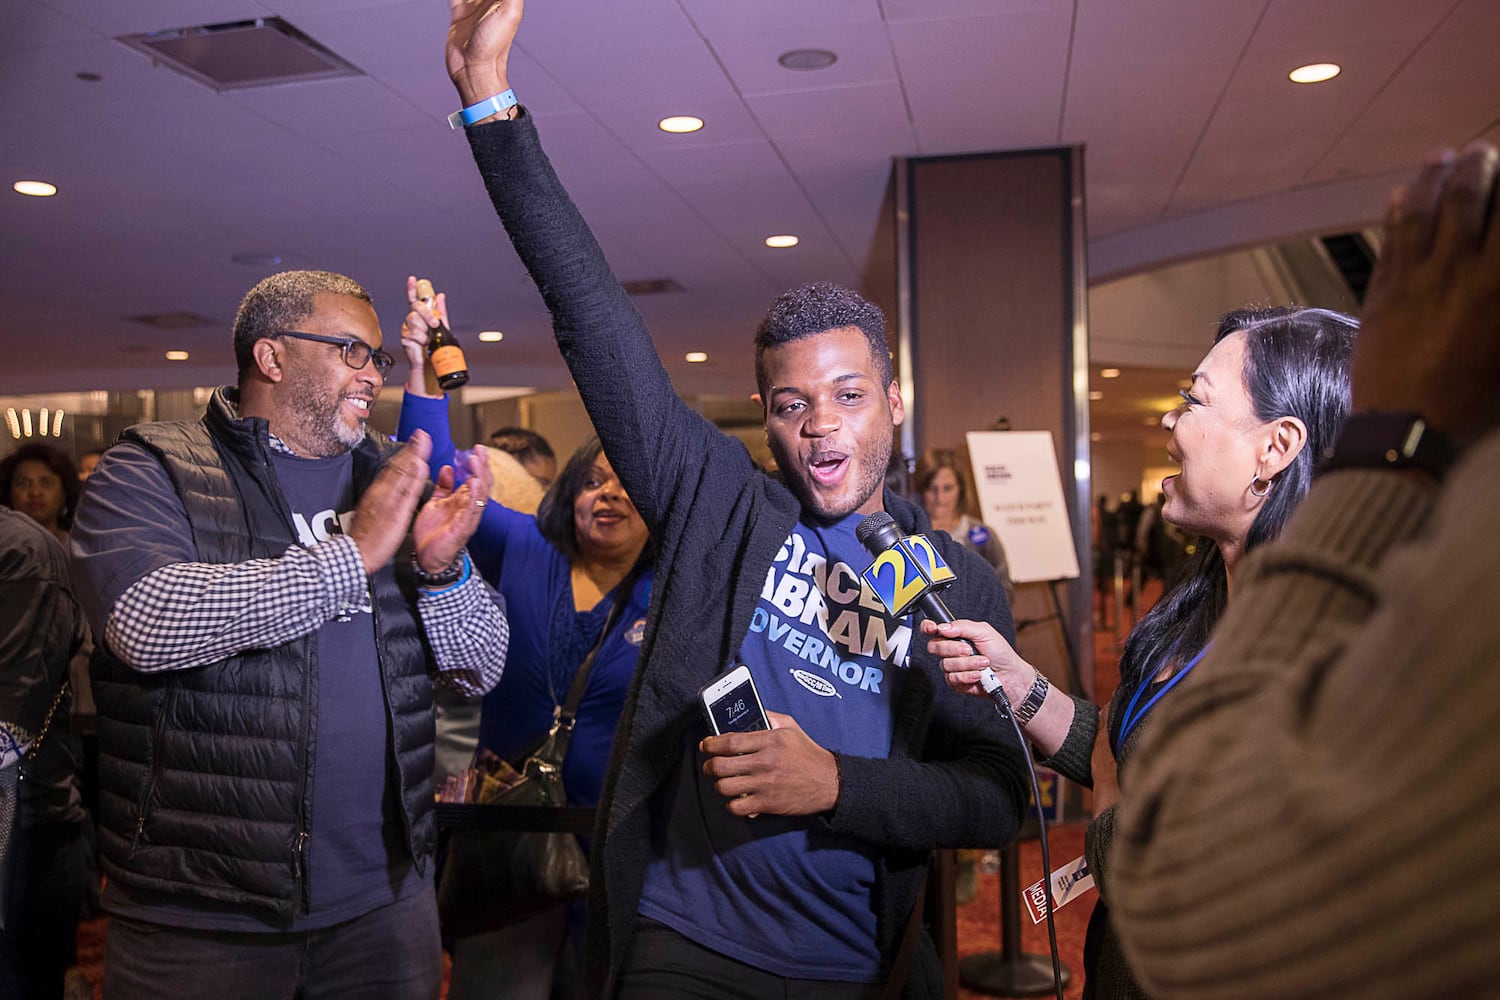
(1095, 395)
(1096, 436)
(1109, 373)
(780, 242)
(680, 123)
(37, 189)
(695, 357)
(491, 336)
(1314, 73)
(177, 355)
(807, 59)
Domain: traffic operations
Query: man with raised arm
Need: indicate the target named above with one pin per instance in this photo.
(272, 601)
(781, 862)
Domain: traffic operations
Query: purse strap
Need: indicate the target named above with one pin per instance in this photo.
(63, 691)
(555, 747)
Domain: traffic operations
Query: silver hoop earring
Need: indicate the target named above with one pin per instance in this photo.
(1257, 493)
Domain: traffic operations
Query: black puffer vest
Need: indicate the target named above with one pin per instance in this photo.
(206, 773)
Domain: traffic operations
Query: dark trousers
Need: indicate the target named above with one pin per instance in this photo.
(392, 953)
(663, 965)
(40, 938)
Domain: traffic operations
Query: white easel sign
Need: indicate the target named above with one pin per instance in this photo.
(1021, 500)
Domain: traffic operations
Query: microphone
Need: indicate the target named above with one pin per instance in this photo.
(908, 573)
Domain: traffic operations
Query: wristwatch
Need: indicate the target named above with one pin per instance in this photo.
(1027, 710)
(1378, 440)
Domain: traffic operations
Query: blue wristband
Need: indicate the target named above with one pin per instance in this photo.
(485, 108)
(463, 579)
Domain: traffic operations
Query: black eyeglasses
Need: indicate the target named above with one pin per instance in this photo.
(356, 352)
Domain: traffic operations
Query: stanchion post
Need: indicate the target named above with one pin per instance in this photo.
(1010, 972)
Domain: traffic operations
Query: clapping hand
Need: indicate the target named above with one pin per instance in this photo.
(450, 516)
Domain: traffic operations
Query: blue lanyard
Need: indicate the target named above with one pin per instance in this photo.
(1132, 717)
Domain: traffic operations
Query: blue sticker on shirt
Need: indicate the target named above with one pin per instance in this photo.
(979, 535)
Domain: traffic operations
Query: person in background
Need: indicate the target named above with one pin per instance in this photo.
(1264, 404)
(42, 865)
(1318, 812)
(41, 482)
(583, 562)
(275, 591)
(86, 463)
(943, 482)
(530, 449)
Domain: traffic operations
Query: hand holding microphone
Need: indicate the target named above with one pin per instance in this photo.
(907, 574)
(975, 658)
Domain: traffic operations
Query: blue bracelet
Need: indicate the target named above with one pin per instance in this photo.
(462, 579)
(489, 106)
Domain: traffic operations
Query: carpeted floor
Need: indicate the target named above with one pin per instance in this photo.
(979, 921)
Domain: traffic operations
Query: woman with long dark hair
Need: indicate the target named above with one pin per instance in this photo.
(1264, 405)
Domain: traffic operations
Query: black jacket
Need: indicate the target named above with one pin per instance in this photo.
(206, 773)
(955, 777)
(41, 627)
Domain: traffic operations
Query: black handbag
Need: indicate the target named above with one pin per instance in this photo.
(517, 856)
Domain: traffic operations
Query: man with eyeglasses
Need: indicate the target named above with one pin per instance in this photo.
(273, 600)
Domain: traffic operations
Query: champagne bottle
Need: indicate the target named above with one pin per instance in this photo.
(447, 357)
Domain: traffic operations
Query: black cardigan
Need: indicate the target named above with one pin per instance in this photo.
(955, 776)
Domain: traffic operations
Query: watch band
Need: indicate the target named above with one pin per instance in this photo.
(1377, 440)
(1027, 710)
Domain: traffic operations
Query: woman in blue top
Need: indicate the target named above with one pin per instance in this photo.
(560, 573)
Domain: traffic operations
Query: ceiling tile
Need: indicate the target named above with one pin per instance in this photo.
(863, 51)
(985, 83)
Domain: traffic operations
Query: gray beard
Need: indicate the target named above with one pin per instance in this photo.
(321, 427)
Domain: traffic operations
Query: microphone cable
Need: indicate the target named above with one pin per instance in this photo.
(1004, 710)
(879, 533)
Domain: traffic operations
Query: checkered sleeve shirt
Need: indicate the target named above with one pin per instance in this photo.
(189, 614)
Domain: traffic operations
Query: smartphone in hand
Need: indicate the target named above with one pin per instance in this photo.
(732, 703)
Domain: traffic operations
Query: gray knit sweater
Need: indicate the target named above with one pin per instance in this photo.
(1317, 811)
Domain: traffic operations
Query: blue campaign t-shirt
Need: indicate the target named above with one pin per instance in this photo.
(782, 893)
(355, 861)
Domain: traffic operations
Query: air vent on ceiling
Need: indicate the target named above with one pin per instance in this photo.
(173, 320)
(650, 286)
(240, 54)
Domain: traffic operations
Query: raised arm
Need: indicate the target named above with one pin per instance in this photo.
(657, 444)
